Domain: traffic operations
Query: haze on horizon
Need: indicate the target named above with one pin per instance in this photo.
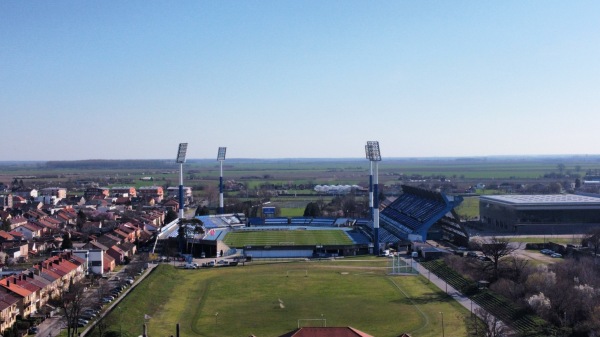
(298, 79)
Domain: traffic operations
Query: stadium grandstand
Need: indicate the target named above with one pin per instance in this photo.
(418, 215)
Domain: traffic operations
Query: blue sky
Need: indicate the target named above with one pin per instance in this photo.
(283, 79)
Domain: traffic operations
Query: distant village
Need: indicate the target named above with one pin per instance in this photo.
(50, 239)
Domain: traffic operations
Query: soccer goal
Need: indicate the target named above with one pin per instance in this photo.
(296, 272)
(312, 322)
(400, 265)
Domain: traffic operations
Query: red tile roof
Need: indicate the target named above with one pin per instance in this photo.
(326, 332)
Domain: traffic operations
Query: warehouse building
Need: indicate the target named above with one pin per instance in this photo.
(540, 214)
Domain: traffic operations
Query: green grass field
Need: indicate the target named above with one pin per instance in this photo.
(271, 299)
(289, 237)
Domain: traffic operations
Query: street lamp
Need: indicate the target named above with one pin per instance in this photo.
(120, 322)
(374, 156)
(443, 334)
(221, 159)
(180, 160)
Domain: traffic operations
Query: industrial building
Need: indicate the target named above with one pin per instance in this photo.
(540, 214)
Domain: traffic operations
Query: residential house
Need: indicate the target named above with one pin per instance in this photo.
(19, 251)
(124, 237)
(5, 237)
(27, 297)
(94, 259)
(17, 221)
(123, 203)
(117, 253)
(26, 193)
(30, 230)
(100, 251)
(109, 263)
(171, 205)
(9, 309)
(128, 248)
(92, 227)
(65, 217)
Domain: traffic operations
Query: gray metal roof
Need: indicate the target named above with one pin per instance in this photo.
(542, 199)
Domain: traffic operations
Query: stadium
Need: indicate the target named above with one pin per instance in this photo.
(540, 214)
(415, 216)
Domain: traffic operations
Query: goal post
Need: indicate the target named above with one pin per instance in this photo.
(287, 273)
(307, 321)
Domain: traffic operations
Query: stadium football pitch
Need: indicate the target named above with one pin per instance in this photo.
(241, 239)
(270, 299)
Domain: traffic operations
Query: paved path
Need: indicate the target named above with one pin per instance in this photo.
(466, 302)
(445, 287)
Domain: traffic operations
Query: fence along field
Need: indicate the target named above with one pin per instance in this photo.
(286, 237)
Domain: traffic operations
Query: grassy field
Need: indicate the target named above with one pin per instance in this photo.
(271, 299)
(469, 208)
(297, 237)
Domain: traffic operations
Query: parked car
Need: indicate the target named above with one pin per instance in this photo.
(33, 330)
(556, 255)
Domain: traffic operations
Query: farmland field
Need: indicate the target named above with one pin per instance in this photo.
(271, 299)
(290, 237)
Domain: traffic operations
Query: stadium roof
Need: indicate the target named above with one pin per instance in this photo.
(542, 199)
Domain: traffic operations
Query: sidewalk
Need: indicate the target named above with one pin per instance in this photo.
(448, 289)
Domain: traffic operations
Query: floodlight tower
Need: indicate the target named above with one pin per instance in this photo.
(374, 156)
(221, 159)
(370, 181)
(180, 160)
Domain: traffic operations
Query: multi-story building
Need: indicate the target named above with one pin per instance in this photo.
(123, 191)
(96, 191)
(58, 192)
(154, 192)
(6, 201)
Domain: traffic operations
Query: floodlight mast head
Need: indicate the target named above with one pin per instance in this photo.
(181, 153)
(221, 153)
(372, 149)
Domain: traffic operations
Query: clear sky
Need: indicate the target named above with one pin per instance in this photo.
(285, 79)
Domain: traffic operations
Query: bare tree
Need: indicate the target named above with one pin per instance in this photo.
(495, 248)
(72, 303)
(211, 193)
(592, 238)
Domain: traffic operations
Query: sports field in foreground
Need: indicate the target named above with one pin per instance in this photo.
(270, 299)
(241, 239)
